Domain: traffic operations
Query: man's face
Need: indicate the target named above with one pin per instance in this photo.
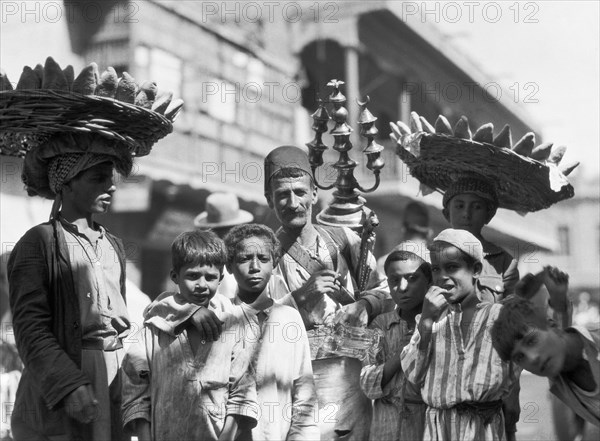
(541, 352)
(292, 199)
(253, 264)
(408, 285)
(197, 283)
(468, 212)
(452, 273)
(90, 192)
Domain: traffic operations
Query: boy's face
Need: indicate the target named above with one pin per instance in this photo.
(541, 352)
(253, 264)
(408, 285)
(292, 199)
(91, 190)
(469, 212)
(452, 273)
(197, 283)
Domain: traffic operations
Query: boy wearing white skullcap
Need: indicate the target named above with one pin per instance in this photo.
(462, 378)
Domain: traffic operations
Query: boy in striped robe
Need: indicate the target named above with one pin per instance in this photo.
(462, 378)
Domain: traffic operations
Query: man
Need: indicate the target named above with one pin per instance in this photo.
(326, 295)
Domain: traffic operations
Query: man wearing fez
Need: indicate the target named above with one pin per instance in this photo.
(320, 267)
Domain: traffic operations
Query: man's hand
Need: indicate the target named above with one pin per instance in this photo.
(207, 323)
(354, 314)
(81, 404)
(557, 283)
(320, 283)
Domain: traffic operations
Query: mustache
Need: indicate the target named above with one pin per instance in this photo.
(294, 211)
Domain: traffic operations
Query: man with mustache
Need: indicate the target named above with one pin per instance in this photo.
(320, 266)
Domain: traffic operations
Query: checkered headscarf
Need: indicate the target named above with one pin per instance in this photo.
(474, 185)
(63, 168)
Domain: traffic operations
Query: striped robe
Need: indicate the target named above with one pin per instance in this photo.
(451, 371)
(398, 411)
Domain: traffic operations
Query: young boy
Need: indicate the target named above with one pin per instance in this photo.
(181, 387)
(569, 358)
(398, 410)
(462, 378)
(281, 354)
(470, 203)
(67, 294)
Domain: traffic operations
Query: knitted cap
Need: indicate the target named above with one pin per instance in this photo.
(461, 239)
(285, 157)
(474, 185)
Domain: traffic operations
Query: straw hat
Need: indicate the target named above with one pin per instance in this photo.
(525, 178)
(222, 210)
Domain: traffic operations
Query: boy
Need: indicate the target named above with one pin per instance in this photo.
(569, 358)
(281, 354)
(470, 203)
(398, 410)
(182, 387)
(67, 294)
(462, 378)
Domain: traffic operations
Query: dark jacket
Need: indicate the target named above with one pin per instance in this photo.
(46, 320)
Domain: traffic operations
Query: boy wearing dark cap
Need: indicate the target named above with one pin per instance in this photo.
(462, 378)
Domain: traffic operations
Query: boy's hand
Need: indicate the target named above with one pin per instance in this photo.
(81, 404)
(207, 323)
(557, 283)
(434, 304)
(320, 283)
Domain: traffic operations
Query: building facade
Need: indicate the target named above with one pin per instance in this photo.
(251, 75)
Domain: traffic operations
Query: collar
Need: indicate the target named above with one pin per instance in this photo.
(263, 299)
(395, 318)
(73, 229)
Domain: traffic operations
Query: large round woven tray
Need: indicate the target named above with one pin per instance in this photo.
(27, 117)
(522, 184)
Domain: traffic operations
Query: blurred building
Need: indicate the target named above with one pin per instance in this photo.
(250, 74)
(577, 228)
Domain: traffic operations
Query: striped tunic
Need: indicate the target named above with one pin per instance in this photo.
(452, 371)
(398, 411)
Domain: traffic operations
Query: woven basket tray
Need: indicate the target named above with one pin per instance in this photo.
(522, 184)
(27, 117)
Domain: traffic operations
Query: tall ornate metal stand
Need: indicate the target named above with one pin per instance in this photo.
(348, 206)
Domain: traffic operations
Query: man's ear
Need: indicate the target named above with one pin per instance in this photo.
(228, 267)
(315, 195)
(477, 268)
(269, 200)
(174, 276)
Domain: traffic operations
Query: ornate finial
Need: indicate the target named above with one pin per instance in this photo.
(368, 130)
(316, 147)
